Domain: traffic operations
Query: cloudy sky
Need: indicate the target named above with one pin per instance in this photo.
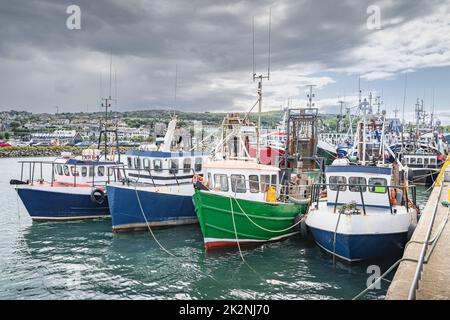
(326, 43)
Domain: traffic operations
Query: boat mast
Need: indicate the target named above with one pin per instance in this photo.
(106, 103)
(260, 80)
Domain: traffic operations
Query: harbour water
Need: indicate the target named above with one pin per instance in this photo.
(85, 260)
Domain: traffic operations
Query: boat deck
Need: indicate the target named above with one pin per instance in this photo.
(57, 185)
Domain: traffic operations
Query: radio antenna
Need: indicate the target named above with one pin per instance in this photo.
(270, 27)
(260, 86)
(253, 32)
(176, 84)
(115, 86)
(110, 75)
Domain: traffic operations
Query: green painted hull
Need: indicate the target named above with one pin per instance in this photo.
(216, 220)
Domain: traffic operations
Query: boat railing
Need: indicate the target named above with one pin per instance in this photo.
(94, 181)
(419, 268)
(127, 178)
(319, 188)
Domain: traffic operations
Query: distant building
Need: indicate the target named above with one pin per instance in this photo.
(126, 133)
(58, 137)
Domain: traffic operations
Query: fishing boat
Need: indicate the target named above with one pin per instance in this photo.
(366, 212)
(156, 189)
(241, 202)
(362, 216)
(424, 165)
(75, 189)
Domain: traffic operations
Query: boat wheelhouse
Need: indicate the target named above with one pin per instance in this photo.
(363, 216)
(423, 166)
(164, 167)
(68, 188)
(241, 203)
(156, 189)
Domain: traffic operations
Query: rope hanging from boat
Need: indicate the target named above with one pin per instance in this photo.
(263, 228)
(148, 225)
(237, 241)
(335, 237)
(431, 242)
(162, 247)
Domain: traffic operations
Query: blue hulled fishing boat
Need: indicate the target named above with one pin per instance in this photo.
(363, 216)
(156, 189)
(75, 189)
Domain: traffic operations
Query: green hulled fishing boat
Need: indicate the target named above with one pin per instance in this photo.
(242, 202)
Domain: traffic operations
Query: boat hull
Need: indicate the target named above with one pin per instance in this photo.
(161, 207)
(61, 204)
(359, 247)
(376, 234)
(422, 176)
(215, 214)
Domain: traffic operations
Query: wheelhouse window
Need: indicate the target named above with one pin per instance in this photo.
(209, 179)
(198, 164)
(265, 182)
(426, 161)
(84, 171)
(336, 181)
(74, 171)
(157, 165)
(378, 185)
(419, 160)
(146, 163)
(173, 166)
(101, 171)
(66, 170)
(59, 169)
(221, 182)
(130, 162)
(357, 184)
(412, 161)
(273, 180)
(137, 163)
(238, 183)
(254, 183)
(91, 171)
(433, 161)
(187, 165)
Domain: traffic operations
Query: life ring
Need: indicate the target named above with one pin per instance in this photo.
(98, 196)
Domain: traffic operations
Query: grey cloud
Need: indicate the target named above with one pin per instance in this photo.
(147, 39)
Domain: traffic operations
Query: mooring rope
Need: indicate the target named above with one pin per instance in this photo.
(163, 248)
(335, 236)
(237, 241)
(263, 228)
(432, 242)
